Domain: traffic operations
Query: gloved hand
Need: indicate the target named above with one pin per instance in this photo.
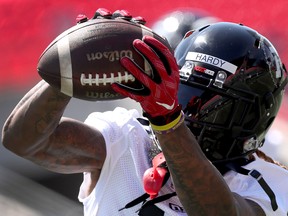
(158, 97)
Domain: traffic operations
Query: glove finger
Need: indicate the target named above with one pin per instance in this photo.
(163, 52)
(126, 91)
(136, 71)
(158, 68)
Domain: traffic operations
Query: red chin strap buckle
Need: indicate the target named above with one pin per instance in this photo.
(153, 177)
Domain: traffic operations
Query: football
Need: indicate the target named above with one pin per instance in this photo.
(83, 61)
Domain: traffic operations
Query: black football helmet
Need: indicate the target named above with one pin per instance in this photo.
(174, 24)
(232, 83)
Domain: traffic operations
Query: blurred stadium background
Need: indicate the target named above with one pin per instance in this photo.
(28, 26)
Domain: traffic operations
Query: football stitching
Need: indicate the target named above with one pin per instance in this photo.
(97, 80)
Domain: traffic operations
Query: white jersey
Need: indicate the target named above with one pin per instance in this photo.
(120, 182)
(246, 186)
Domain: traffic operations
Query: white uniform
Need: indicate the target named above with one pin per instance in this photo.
(121, 177)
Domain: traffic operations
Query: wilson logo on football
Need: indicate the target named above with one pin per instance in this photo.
(111, 56)
(104, 95)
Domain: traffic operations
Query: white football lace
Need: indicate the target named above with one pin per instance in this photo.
(96, 80)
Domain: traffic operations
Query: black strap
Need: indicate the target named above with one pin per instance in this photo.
(136, 201)
(157, 200)
(151, 210)
(258, 176)
(148, 208)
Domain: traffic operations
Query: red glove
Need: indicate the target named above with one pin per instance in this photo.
(158, 97)
(106, 14)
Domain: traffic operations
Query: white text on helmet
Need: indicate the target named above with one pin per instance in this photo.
(211, 60)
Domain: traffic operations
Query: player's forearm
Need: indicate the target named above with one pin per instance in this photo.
(33, 119)
(199, 185)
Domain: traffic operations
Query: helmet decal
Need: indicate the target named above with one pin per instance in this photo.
(204, 70)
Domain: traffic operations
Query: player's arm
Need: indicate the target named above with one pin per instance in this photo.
(199, 185)
(37, 131)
